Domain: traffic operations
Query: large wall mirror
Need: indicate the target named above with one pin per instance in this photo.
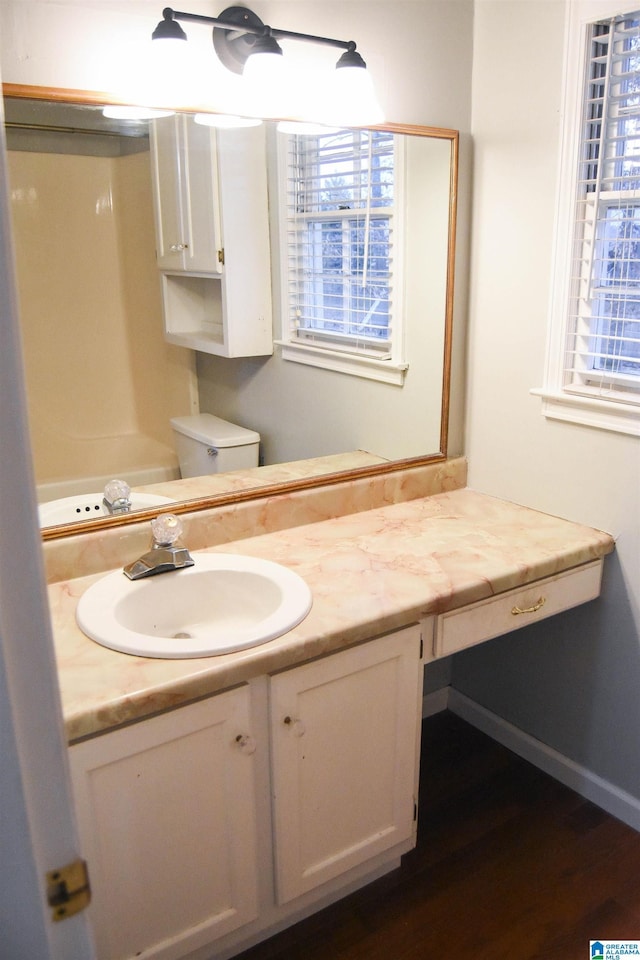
(103, 382)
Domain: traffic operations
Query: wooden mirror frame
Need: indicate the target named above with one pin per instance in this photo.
(94, 98)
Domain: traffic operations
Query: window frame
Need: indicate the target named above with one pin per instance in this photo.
(359, 363)
(573, 402)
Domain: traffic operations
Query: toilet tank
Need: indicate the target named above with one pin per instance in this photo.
(206, 444)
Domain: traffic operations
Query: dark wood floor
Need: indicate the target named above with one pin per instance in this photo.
(510, 865)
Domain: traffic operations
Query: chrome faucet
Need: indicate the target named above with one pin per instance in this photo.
(165, 554)
(116, 499)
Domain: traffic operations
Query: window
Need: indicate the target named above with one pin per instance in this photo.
(339, 301)
(594, 372)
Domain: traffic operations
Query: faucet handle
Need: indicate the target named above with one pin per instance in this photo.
(117, 496)
(117, 490)
(165, 554)
(166, 529)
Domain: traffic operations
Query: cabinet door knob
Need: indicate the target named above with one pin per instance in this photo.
(246, 743)
(297, 727)
(178, 247)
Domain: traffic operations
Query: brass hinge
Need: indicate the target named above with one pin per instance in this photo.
(68, 890)
(221, 256)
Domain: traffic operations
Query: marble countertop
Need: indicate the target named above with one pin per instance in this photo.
(370, 572)
(252, 477)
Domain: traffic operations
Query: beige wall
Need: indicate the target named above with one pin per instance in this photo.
(100, 389)
(574, 682)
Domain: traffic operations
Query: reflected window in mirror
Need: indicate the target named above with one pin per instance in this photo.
(340, 209)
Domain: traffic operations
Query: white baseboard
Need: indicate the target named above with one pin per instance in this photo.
(615, 801)
(435, 702)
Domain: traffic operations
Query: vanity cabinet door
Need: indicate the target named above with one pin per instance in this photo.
(167, 820)
(185, 180)
(345, 733)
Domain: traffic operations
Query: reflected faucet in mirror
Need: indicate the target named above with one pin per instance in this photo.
(90, 506)
(117, 497)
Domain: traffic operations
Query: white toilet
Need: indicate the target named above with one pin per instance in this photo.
(206, 444)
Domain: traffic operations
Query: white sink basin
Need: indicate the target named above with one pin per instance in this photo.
(89, 506)
(222, 604)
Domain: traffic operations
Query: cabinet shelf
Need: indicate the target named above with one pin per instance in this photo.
(195, 316)
(193, 310)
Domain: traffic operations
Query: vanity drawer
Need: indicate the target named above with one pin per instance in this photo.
(516, 608)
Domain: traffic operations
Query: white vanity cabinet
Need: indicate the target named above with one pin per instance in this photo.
(344, 740)
(212, 236)
(166, 811)
(225, 819)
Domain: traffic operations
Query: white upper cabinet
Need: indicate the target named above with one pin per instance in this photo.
(185, 179)
(212, 236)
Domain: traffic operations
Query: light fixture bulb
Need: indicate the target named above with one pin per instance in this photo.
(265, 77)
(265, 66)
(304, 128)
(171, 70)
(226, 121)
(115, 112)
(168, 75)
(352, 100)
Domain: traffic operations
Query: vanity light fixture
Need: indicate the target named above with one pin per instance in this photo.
(247, 46)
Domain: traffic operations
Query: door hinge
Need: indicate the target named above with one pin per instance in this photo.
(421, 646)
(221, 256)
(415, 810)
(68, 890)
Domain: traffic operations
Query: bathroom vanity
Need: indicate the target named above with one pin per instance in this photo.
(221, 799)
(187, 808)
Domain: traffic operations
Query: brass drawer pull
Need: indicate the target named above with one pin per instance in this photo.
(537, 606)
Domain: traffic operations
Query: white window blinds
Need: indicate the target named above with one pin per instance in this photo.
(340, 195)
(602, 349)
